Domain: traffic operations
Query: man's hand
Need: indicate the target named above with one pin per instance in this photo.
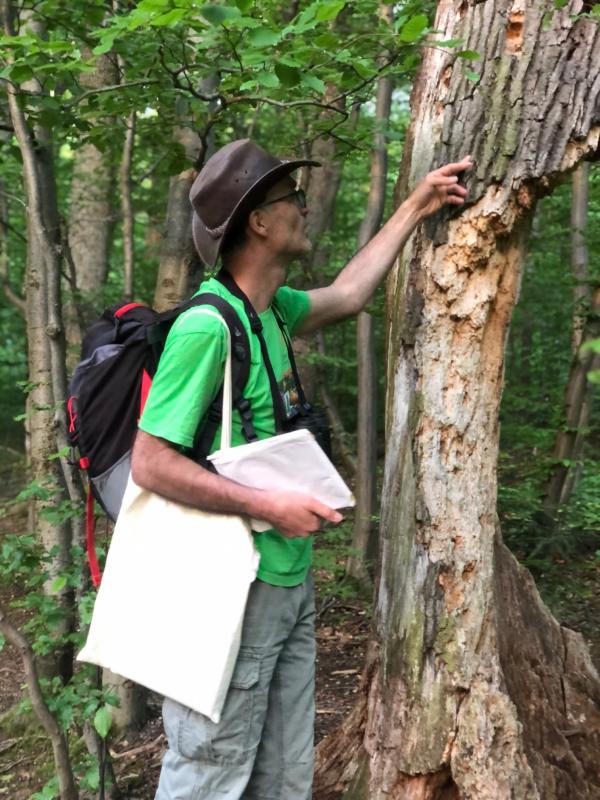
(296, 514)
(356, 283)
(439, 188)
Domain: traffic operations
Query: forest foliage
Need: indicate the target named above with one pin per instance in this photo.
(287, 75)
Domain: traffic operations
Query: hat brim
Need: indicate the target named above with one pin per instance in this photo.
(209, 247)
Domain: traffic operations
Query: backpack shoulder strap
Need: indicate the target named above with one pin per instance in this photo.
(240, 365)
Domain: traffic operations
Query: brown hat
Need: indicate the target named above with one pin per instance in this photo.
(226, 187)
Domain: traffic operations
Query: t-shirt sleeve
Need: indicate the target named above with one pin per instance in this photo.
(189, 375)
(294, 306)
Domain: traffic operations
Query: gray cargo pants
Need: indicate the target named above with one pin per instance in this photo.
(262, 749)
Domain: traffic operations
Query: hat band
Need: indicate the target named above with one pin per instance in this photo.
(216, 233)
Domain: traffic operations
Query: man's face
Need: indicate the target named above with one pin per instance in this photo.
(286, 221)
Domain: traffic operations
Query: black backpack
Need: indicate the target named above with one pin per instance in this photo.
(109, 387)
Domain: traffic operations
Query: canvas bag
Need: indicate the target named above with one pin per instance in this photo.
(292, 462)
(169, 611)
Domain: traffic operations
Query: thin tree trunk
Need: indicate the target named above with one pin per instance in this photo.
(127, 214)
(472, 690)
(91, 218)
(579, 253)
(60, 749)
(46, 424)
(570, 439)
(180, 266)
(362, 560)
(10, 294)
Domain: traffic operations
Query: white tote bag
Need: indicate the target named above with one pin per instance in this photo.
(293, 461)
(170, 607)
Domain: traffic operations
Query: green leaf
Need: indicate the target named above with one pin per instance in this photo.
(263, 37)
(413, 29)
(593, 345)
(244, 5)
(107, 40)
(560, 3)
(469, 55)
(326, 40)
(170, 18)
(267, 79)
(59, 583)
(103, 721)
(20, 73)
(594, 376)
(289, 76)
(62, 453)
(217, 15)
(2, 641)
(315, 83)
(329, 9)
(471, 76)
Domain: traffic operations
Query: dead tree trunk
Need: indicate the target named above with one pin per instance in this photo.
(472, 690)
(364, 534)
(570, 439)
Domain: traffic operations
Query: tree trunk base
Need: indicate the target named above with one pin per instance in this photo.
(527, 728)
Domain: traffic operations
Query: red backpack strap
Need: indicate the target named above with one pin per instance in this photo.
(90, 539)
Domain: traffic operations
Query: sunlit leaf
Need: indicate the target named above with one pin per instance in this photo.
(413, 29)
(263, 37)
(217, 15)
(329, 9)
(469, 55)
(103, 721)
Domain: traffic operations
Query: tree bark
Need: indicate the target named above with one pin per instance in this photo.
(361, 562)
(127, 215)
(46, 345)
(180, 267)
(91, 212)
(570, 439)
(579, 252)
(472, 689)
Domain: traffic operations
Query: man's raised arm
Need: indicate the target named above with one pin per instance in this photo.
(355, 284)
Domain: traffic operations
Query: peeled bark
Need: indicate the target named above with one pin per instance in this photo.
(472, 689)
(364, 535)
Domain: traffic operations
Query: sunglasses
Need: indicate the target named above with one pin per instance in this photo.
(298, 197)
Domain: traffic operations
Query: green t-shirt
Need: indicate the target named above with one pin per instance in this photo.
(189, 376)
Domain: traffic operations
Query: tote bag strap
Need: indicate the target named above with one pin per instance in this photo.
(227, 383)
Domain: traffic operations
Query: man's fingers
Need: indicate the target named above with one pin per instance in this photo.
(325, 512)
(456, 166)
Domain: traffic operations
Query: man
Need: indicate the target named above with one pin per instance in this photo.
(247, 210)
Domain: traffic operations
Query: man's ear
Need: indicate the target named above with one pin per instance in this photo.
(258, 222)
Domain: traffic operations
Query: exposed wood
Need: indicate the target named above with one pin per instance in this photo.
(474, 690)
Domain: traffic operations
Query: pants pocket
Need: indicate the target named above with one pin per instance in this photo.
(228, 741)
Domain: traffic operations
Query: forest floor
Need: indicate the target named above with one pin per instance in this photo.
(342, 632)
